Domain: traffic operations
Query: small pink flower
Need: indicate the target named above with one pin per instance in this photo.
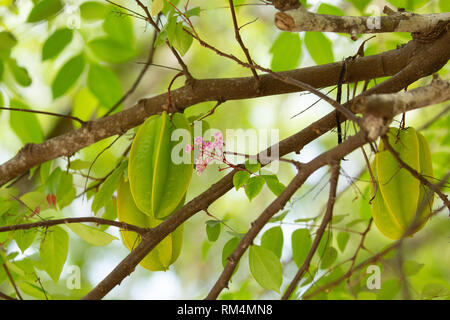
(209, 146)
(198, 141)
(188, 148)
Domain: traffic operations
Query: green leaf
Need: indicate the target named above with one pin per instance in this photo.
(111, 50)
(408, 4)
(53, 251)
(389, 289)
(324, 242)
(444, 5)
(44, 10)
(359, 4)
(108, 188)
(252, 167)
(60, 183)
(253, 187)
(24, 124)
(182, 41)
(79, 164)
(272, 240)
(328, 258)
(265, 267)
(286, 52)
(319, 47)
(228, 249)
(434, 290)
(301, 244)
(84, 105)
(20, 73)
(67, 76)
(7, 40)
(274, 184)
(193, 12)
(338, 218)
(56, 43)
(213, 228)
(33, 290)
(412, 267)
(326, 8)
(93, 10)
(2, 69)
(279, 217)
(24, 238)
(104, 85)
(342, 240)
(157, 6)
(91, 235)
(119, 27)
(240, 178)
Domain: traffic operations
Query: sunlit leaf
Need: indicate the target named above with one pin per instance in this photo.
(253, 187)
(53, 251)
(301, 244)
(240, 178)
(328, 258)
(24, 124)
(108, 188)
(319, 47)
(20, 73)
(265, 267)
(213, 228)
(286, 52)
(67, 76)
(252, 166)
(44, 10)
(273, 240)
(93, 10)
(56, 43)
(111, 50)
(342, 240)
(91, 235)
(119, 27)
(389, 289)
(274, 184)
(105, 85)
(7, 40)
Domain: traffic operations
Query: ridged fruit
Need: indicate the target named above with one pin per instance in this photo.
(166, 252)
(399, 193)
(158, 184)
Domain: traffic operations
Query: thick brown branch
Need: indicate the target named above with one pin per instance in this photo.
(389, 105)
(302, 20)
(365, 68)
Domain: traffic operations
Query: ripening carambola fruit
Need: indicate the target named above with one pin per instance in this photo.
(166, 252)
(158, 183)
(399, 194)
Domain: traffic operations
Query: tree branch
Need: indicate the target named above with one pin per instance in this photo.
(391, 104)
(320, 231)
(300, 19)
(49, 223)
(365, 68)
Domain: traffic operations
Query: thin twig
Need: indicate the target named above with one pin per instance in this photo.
(11, 280)
(59, 115)
(319, 234)
(54, 222)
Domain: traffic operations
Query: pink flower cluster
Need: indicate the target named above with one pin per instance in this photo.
(207, 151)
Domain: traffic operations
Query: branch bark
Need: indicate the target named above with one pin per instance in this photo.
(300, 19)
(381, 65)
